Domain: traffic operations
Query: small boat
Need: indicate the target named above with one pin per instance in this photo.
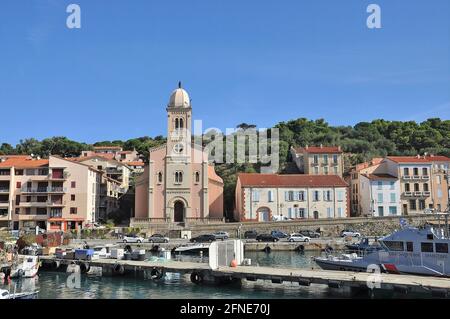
(5, 294)
(363, 246)
(193, 249)
(25, 267)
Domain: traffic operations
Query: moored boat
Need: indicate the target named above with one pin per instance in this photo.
(25, 267)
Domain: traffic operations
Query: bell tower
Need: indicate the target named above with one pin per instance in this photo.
(179, 114)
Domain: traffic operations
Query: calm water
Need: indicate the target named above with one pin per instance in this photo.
(53, 285)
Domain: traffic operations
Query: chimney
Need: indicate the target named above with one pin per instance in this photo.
(321, 146)
(306, 147)
(339, 148)
(418, 155)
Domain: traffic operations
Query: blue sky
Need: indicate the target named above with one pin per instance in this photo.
(254, 61)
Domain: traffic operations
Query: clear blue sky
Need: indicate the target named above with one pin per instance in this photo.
(254, 61)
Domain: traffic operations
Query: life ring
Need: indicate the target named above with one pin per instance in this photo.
(197, 277)
(267, 250)
(156, 274)
(84, 267)
(118, 269)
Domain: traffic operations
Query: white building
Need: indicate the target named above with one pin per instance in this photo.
(380, 195)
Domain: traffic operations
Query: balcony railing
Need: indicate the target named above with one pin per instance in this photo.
(50, 189)
(426, 194)
(4, 190)
(406, 177)
(426, 177)
(407, 194)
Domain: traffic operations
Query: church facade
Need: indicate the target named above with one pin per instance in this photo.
(178, 184)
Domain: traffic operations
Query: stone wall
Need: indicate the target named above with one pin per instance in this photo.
(374, 226)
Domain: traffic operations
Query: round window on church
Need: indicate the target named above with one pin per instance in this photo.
(178, 148)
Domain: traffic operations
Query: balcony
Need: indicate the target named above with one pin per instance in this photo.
(31, 217)
(4, 190)
(406, 177)
(33, 204)
(4, 204)
(58, 177)
(417, 194)
(314, 163)
(407, 194)
(416, 177)
(425, 177)
(56, 203)
(426, 194)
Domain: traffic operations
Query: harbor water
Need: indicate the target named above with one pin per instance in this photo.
(57, 285)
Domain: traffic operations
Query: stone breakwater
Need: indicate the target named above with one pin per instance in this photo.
(375, 226)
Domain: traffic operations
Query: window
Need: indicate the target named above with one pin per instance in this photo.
(416, 187)
(325, 170)
(270, 195)
(41, 211)
(412, 204)
(316, 170)
(329, 212)
(197, 177)
(73, 210)
(442, 248)
(340, 212)
(181, 123)
(325, 159)
(424, 171)
(380, 198)
(18, 185)
(327, 196)
(301, 212)
(73, 184)
(316, 196)
(425, 187)
(178, 148)
(416, 171)
(393, 198)
(290, 196)
(394, 245)
(380, 185)
(178, 177)
(407, 188)
(392, 185)
(289, 212)
(427, 247)
(301, 196)
(393, 210)
(335, 159)
(18, 172)
(160, 177)
(406, 171)
(255, 195)
(340, 196)
(380, 211)
(316, 159)
(335, 170)
(409, 246)
(72, 197)
(421, 204)
(176, 124)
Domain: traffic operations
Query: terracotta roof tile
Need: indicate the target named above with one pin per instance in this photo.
(416, 159)
(24, 162)
(319, 149)
(290, 180)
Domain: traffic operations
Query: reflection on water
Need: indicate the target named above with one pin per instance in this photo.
(53, 285)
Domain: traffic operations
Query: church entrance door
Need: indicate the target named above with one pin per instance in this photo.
(178, 212)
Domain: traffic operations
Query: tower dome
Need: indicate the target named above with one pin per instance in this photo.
(179, 98)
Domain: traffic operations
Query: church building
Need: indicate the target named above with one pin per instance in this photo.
(178, 184)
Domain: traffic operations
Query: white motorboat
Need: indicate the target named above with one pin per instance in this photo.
(5, 294)
(25, 267)
(193, 249)
(410, 250)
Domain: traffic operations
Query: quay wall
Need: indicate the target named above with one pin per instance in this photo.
(367, 226)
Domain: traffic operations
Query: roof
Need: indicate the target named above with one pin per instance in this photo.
(319, 149)
(134, 163)
(417, 159)
(290, 180)
(107, 148)
(437, 158)
(23, 162)
(379, 176)
(125, 152)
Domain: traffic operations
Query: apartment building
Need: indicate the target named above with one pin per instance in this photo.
(263, 197)
(353, 179)
(114, 152)
(54, 194)
(318, 160)
(380, 195)
(113, 169)
(422, 184)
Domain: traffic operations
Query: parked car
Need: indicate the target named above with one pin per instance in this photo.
(267, 237)
(133, 239)
(158, 238)
(309, 233)
(223, 235)
(204, 238)
(250, 234)
(298, 237)
(94, 226)
(350, 233)
(279, 234)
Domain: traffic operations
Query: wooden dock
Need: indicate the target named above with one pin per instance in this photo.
(201, 272)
